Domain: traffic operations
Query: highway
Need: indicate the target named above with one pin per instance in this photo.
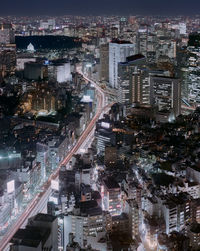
(39, 202)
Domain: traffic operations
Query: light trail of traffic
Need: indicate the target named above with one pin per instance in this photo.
(37, 203)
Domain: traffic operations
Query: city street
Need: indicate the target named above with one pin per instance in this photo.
(39, 202)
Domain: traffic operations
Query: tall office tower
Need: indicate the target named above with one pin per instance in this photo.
(42, 158)
(140, 91)
(104, 62)
(114, 32)
(133, 81)
(183, 28)
(104, 135)
(142, 41)
(132, 209)
(6, 34)
(166, 47)
(7, 59)
(118, 52)
(111, 196)
(60, 71)
(125, 71)
(165, 93)
(122, 24)
(190, 72)
(7, 50)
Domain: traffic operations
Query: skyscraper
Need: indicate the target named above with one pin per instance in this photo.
(165, 93)
(111, 192)
(118, 52)
(105, 136)
(142, 41)
(6, 34)
(104, 62)
(123, 23)
(134, 219)
(7, 50)
(133, 81)
(7, 59)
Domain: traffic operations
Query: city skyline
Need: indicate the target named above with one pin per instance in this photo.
(100, 127)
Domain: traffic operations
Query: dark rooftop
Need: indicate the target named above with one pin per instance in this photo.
(89, 208)
(117, 41)
(135, 57)
(111, 183)
(31, 236)
(44, 217)
(195, 228)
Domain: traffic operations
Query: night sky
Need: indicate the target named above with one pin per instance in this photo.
(94, 7)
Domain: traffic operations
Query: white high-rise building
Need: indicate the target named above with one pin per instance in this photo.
(42, 158)
(59, 71)
(86, 221)
(183, 28)
(63, 73)
(118, 52)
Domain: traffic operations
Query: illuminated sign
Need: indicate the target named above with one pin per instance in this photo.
(55, 185)
(53, 199)
(82, 150)
(105, 125)
(11, 186)
(88, 65)
(86, 98)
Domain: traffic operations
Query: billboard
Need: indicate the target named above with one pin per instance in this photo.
(53, 199)
(82, 150)
(55, 185)
(86, 99)
(105, 125)
(11, 186)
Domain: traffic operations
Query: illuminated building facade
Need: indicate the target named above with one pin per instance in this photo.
(87, 220)
(7, 59)
(165, 93)
(6, 34)
(104, 62)
(118, 52)
(111, 196)
(133, 81)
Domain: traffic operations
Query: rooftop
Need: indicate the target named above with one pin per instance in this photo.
(135, 57)
(195, 228)
(111, 183)
(89, 208)
(30, 237)
(117, 41)
(44, 217)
